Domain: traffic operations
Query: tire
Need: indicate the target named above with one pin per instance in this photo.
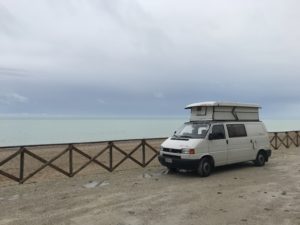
(205, 167)
(172, 170)
(260, 159)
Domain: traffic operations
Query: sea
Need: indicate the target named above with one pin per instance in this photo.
(32, 131)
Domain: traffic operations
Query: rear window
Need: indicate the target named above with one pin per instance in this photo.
(236, 130)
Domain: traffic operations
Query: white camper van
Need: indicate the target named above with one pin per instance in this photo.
(218, 133)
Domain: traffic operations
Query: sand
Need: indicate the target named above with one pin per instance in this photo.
(236, 194)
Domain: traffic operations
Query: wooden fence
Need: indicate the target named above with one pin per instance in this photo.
(140, 152)
(284, 139)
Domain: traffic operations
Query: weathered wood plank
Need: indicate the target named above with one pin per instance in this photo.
(44, 166)
(9, 176)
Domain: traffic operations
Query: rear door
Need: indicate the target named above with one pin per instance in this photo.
(239, 144)
(218, 146)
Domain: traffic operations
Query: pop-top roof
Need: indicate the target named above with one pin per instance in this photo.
(215, 103)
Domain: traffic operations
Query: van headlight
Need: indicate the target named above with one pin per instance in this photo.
(189, 151)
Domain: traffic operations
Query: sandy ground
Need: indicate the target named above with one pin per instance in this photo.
(236, 194)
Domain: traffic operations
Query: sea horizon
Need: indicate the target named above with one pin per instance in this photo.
(24, 130)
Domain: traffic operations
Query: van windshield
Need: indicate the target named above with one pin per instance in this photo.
(192, 130)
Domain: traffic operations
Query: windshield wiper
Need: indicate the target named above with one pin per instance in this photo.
(185, 136)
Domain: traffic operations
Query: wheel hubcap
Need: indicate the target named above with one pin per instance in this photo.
(261, 159)
(206, 167)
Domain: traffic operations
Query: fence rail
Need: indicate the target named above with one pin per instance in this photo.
(137, 151)
(284, 139)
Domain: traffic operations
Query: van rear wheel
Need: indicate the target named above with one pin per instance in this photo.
(260, 159)
(205, 167)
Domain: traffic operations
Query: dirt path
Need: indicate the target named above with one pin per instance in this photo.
(238, 194)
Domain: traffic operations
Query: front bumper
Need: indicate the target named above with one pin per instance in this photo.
(186, 164)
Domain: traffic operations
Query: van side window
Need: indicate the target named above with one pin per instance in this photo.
(201, 111)
(218, 131)
(236, 130)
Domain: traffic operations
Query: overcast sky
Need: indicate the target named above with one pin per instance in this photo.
(148, 58)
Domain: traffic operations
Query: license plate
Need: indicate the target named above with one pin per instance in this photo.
(168, 160)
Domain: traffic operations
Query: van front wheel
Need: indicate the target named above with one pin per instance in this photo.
(172, 169)
(205, 167)
(260, 159)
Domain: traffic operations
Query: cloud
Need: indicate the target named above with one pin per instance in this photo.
(12, 72)
(158, 95)
(101, 101)
(126, 51)
(12, 98)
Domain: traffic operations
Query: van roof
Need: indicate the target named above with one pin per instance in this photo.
(216, 103)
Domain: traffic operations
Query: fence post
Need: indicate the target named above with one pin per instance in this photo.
(110, 155)
(70, 160)
(287, 139)
(144, 152)
(276, 140)
(297, 138)
(21, 175)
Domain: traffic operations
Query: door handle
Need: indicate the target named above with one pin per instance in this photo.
(226, 141)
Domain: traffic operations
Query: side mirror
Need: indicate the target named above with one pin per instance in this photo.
(211, 136)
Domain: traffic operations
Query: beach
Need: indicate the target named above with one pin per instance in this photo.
(236, 194)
